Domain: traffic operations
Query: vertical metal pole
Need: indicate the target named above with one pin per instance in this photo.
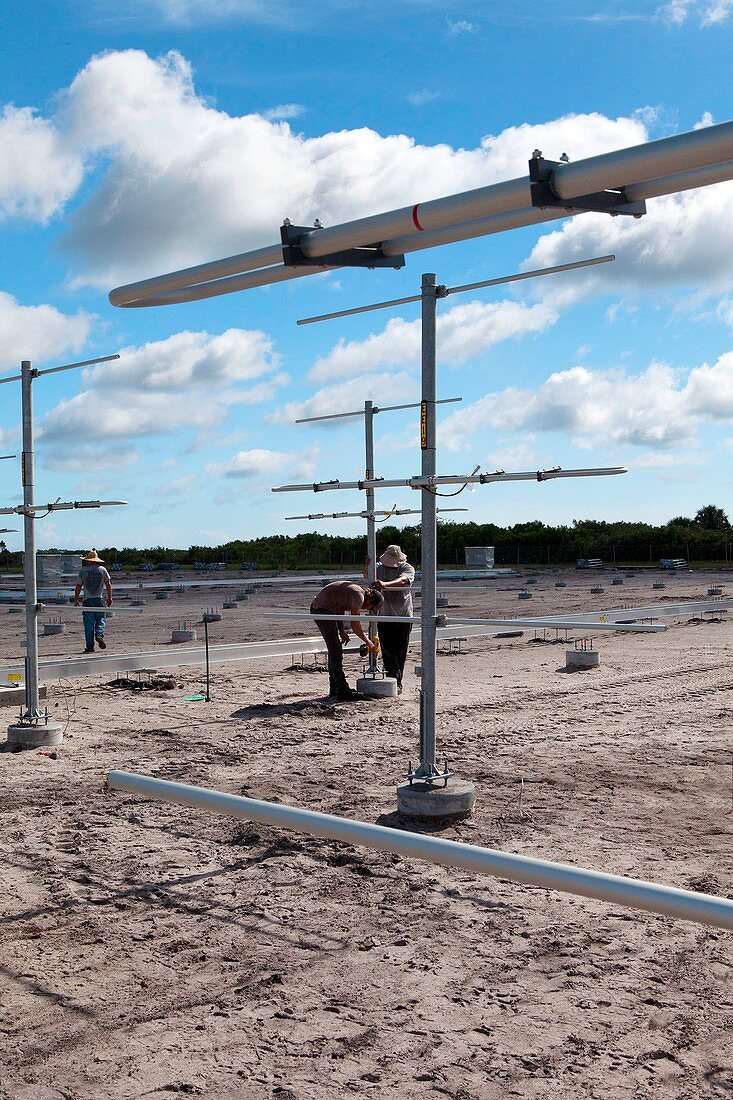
(427, 766)
(29, 545)
(206, 646)
(371, 524)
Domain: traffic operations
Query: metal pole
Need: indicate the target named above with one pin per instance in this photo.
(635, 893)
(206, 647)
(427, 767)
(29, 545)
(371, 525)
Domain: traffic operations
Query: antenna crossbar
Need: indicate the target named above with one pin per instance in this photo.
(451, 479)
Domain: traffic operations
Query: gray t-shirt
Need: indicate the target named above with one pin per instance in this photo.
(397, 601)
(93, 579)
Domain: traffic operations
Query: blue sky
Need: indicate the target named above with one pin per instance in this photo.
(140, 137)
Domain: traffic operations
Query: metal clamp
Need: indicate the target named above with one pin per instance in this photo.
(603, 202)
(293, 255)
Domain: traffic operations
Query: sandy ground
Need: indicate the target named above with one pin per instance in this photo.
(149, 950)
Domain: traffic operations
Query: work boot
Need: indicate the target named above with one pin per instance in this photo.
(89, 650)
(101, 643)
(348, 696)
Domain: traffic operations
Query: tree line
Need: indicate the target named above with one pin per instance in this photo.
(704, 538)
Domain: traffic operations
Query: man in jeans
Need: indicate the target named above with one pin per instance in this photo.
(343, 598)
(93, 579)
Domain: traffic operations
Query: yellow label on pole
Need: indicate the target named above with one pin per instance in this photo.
(15, 677)
(423, 425)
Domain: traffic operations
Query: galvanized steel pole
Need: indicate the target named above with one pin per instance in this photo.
(371, 525)
(29, 544)
(428, 555)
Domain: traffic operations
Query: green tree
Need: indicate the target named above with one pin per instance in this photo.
(712, 519)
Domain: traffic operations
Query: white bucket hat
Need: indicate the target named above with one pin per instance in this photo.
(393, 556)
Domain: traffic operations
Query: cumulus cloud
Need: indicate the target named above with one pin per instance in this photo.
(284, 110)
(38, 332)
(461, 26)
(39, 171)
(684, 240)
(657, 409)
(183, 182)
(349, 396)
(251, 464)
(462, 332)
(708, 13)
(189, 380)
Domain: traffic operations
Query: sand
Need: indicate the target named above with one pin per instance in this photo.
(150, 950)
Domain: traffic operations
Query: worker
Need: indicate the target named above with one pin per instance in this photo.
(394, 580)
(93, 578)
(348, 599)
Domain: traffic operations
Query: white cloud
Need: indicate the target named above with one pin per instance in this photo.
(708, 13)
(283, 111)
(181, 486)
(187, 381)
(461, 26)
(684, 240)
(251, 464)
(83, 457)
(463, 332)
(38, 333)
(167, 155)
(348, 396)
(38, 171)
(419, 99)
(657, 409)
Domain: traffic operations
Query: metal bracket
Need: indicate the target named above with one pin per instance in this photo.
(436, 776)
(293, 255)
(604, 202)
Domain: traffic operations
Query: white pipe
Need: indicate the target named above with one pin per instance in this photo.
(668, 901)
(672, 164)
(563, 624)
(449, 479)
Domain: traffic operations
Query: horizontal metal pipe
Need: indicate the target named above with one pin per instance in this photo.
(197, 275)
(449, 479)
(667, 156)
(104, 665)
(645, 171)
(660, 610)
(558, 623)
(668, 901)
(198, 291)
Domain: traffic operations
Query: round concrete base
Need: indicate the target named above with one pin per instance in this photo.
(53, 628)
(183, 635)
(442, 601)
(435, 803)
(377, 687)
(26, 735)
(582, 658)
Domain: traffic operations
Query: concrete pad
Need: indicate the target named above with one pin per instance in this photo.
(430, 802)
(582, 658)
(27, 735)
(377, 686)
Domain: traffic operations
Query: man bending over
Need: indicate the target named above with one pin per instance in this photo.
(343, 598)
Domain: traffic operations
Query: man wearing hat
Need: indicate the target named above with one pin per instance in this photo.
(394, 580)
(93, 579)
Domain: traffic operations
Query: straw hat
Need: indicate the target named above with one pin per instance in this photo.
(393, 556)
(92, 558)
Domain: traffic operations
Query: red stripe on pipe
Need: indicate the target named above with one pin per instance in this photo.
(416, 220)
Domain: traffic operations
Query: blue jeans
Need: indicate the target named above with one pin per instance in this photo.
(94, 624)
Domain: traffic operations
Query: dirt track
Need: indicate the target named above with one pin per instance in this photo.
(148, 950)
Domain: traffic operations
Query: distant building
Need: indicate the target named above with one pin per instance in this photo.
(480, 557)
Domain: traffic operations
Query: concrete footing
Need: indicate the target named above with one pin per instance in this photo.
(617, 580)
(53, 628)
(441, 601)
(428, 802)
(524, 596)
(139, 602)
(659, 584)
(13, 695)
(183, 635)
(35, 735)
(378, 687)
(596, 590)
(560, 584)
(582, 658)
(229, 605)
(162, 595)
